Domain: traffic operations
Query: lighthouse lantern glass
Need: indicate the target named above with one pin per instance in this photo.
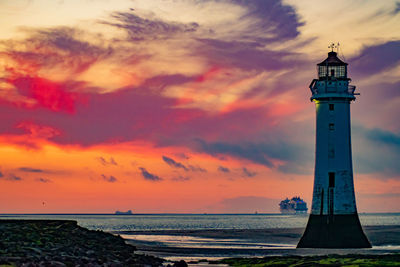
(321, 71)
(338, 72)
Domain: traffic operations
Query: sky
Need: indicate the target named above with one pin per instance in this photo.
(175, 106)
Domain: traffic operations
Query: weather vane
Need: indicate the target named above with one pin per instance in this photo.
(333, 45)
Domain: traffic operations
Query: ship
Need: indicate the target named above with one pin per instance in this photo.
(296, 205)
(129, 212)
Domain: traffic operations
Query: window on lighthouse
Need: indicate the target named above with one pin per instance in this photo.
(332, 71)
(331, 179)
(322, 71)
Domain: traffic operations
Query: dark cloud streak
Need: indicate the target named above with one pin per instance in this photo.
(13, 177)
(374, 59)
(149, 176)
(106, 162)
(139, 29)
(171, 162)
(248, 173)
(110, 178)
(223, 169)
(277, 21)
(181, 178)
(43, 180)
(376, 151)
(29, 169)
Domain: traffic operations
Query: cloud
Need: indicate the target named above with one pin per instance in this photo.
(129, 106)
(247, 56)
(13, 177)
(261, 153)
(43, 180)
(231, 54)
(160, 82)
(57, 47)
(104, 161)
(271, 19)
(67, 39)
(397, 9)
(223, 169)
(139, 28)
(149, 176)
(248, 173)
(112, 161)
(1, 175)
(39, 70)
(29, 169)
(251, 152)
(43, 171)
(110, 179)
(384, 137)
(38, 131)
(36, 91)
(249, 45)
(181, 178)
(376, 58)
(376, 151)
(292, 157)
(196, 168)
(174, 164)
(92, 115)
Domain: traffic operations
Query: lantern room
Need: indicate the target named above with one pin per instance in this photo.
(332, 68)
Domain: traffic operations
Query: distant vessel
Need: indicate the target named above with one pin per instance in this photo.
(296, 205)
(129, 212)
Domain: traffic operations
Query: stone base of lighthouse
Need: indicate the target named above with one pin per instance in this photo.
(334, 231)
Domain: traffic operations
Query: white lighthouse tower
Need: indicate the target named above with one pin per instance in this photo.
(333, 222)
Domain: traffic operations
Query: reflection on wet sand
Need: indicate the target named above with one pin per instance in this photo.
(216, 244)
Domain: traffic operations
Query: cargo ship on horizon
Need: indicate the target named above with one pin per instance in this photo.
(129, 212)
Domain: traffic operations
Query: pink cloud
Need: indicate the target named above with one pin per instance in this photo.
(48, 94)
(38, 131)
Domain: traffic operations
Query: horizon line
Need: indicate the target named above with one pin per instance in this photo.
(173, 213)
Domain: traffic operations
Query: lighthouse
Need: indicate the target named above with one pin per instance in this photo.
(333, 221)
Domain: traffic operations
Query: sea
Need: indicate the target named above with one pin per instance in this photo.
(189, 236)
(134, 222)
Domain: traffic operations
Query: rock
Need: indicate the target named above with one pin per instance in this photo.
(36, 250)
(64, 243)
(180, 263)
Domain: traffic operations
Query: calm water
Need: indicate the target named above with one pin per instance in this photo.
(197, 221)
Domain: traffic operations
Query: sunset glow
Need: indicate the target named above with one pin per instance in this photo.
(188, 106)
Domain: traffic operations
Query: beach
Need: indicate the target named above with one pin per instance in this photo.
(196, 239)
(216, 244)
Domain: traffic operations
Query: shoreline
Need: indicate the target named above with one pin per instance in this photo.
(227, 243)
(65, 243)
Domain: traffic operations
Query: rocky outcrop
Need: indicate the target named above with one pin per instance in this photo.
(64, 243)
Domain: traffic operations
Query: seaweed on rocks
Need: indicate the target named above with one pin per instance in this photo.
(64, 243)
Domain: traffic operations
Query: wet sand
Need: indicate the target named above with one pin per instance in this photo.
(214, 244)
